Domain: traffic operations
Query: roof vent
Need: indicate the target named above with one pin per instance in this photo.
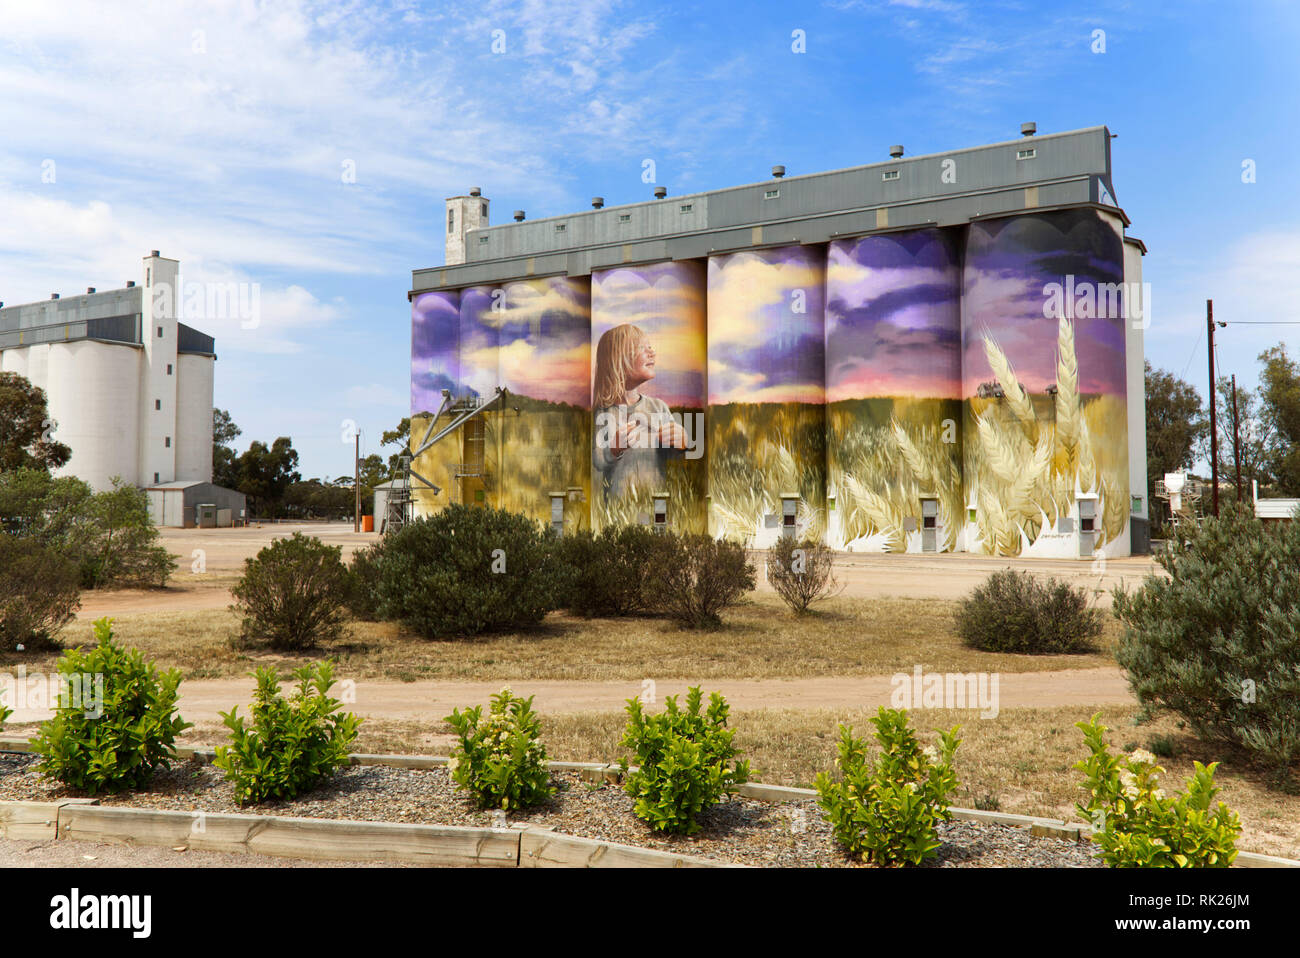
(597, 202)
(778, 172)
(130, 283)
(896, 150)
(1028, 129)
(661, 192)
(154, 253)
(519, 216)
(90, 289)
(475, 191)
(54, 295)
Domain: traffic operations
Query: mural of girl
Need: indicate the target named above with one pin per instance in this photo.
(636, 434)
(648, 394)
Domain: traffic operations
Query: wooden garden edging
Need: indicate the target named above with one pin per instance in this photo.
(533, 847)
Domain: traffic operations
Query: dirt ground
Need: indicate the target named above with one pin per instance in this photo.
(210, 561)
(202, 700)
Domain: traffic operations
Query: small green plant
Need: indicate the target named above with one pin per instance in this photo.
(988, 802)
(1162, 746)
(684, 759)
(1011, 611)
(1138, 826)
(501, 760)
(4, 714)
(886, 811)
(292, 593)
(115, 720)
(293, 744)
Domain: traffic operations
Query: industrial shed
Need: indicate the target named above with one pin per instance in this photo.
(189, 504)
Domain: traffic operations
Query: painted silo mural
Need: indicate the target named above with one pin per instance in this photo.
(647, 383)
(477, 443)
(893, 384)
(544, 426)
(435, 366)
(766, 416)
(1046, 435)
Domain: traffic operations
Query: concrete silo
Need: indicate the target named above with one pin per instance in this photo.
(766, 418)
(893, 379)
(648, 395)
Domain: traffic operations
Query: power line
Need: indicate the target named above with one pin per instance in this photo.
(1193, 355)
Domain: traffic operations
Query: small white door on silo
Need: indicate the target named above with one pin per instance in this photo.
(929, 525)
(557, 512)
(1087, 524)
(789, 515)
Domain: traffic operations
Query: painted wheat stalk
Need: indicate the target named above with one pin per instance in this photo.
(917, 463)
(1016, 396)
(1069, 415)
(1000, 452)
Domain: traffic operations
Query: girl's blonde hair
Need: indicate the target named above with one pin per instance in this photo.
(614, 355)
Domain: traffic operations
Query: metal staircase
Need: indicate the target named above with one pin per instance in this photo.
(462, 412)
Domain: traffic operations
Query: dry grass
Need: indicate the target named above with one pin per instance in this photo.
(761, 639)
(1023, 759)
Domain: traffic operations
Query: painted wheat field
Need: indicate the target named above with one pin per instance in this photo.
(1029, 457)
(885, 453)
(758, 452)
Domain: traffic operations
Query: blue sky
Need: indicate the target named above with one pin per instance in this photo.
(219, 133)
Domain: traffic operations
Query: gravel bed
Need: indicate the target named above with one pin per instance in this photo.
(742, 831)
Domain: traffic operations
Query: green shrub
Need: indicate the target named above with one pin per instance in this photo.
(801, 572)
(693, 578)
(39, 593)
(684, 758)
(1218, 642)
(1013, 612)
(123, 545)
(501, 760)
(293, 744)
(5, 712)
(606, 571)
(363, 583)
(468, 570)
(108, 534)
(1138, 826)
(292, 593)
(886, 811)
(118, 744)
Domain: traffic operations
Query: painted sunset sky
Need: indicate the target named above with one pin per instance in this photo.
(1008, 263)
(893, 317)
(544, 340)
(766, 312)
(435, 346)
(666, 302)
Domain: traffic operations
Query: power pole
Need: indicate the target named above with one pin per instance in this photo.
(356, 484)
(1236, 436)
(1214, 429)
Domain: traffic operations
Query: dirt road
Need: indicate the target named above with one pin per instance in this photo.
(428, 701)
(212, 559)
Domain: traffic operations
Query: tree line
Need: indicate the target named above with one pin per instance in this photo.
(1259, 434)
(268, 475)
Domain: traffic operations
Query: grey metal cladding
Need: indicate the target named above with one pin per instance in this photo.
(190, 340)
(945, 189)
